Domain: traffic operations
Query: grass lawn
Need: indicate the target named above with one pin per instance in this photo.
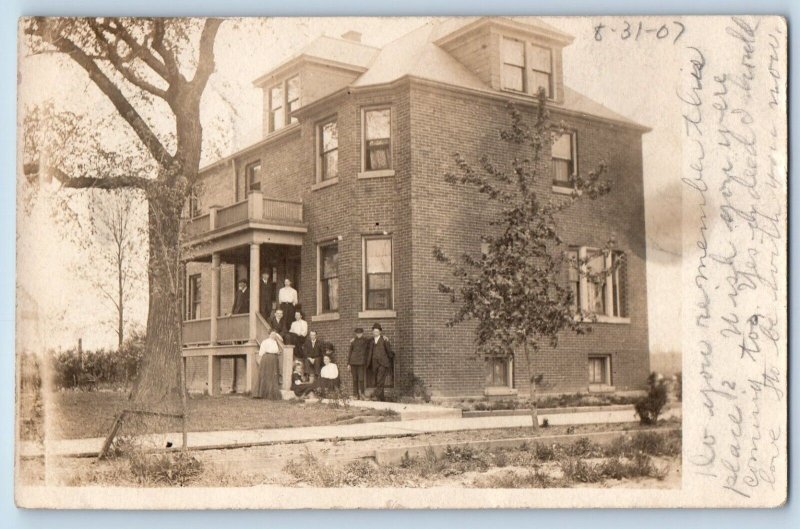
(90, 414)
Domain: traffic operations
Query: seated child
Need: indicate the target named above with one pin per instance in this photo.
(299, 387)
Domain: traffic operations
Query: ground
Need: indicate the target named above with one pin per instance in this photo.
(634, 459)
(82, 414)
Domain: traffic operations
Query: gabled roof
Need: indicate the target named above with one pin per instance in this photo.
(344, 53)
(418, 54)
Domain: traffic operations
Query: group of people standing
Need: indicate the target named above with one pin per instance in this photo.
(315, 370)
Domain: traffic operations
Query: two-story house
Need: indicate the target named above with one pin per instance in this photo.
(345, 195)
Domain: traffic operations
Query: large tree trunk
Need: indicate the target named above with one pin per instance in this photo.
(159, 382)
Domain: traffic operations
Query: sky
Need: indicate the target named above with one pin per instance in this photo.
(636, 82)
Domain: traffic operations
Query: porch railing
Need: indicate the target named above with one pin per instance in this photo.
(233, 328)
(197, 331)
(283, 210)
(255, 208)
(232, 214)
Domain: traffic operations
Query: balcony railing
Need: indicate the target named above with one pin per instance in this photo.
(254, 208)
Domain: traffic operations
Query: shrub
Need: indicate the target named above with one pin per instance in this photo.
(87, 369)
(178, 469)
(649, 407)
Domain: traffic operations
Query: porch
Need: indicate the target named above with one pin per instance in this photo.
(250, 239)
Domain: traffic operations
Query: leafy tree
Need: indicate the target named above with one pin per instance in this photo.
(153, 71)
(515, 291)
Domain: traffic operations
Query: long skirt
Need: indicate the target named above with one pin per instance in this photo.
(268, 378)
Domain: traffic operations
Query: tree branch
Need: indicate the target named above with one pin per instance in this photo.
(87, 182)
(205, 62)
(112, 91)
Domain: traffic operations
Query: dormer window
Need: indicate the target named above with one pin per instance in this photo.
(527, 67)
(284, 98)
(513, 65)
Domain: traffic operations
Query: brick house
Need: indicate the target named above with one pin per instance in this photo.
(345, 196)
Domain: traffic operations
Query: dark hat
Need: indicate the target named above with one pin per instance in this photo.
(377, 326)
(359, 329)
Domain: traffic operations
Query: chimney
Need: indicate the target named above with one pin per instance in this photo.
(353, 36)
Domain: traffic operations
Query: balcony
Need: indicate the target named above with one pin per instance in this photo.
(253, 220)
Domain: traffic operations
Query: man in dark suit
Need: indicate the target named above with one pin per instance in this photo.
(265, 294)
(357, 359)
(379, 357)
(313, 351)
(241, 300)
(279, 324)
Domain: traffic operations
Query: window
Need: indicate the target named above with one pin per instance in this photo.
(513, 65)
(377, 139)
(500, 371)
(253, 175)
(292, 97)
(329, 277)
(277, 114)
(194, 204)
(328, 148)
(541, 73)
(600, 370)
(599, 287)
(564, 159)
(193, 297)
(574, 279)
(378, 273)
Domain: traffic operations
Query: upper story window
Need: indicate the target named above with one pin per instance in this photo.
(194, 204)
(284, 98)
(377, 139)
(526, 67)
(327, 150)
(253, 176)
(565, 160)
(193, 297)
(513, 65)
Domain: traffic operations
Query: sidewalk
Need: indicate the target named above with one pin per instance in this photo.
(245, 438)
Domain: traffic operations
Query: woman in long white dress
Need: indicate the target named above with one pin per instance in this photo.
(269, 355)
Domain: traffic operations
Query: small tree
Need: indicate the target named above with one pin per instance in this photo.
(514, 291)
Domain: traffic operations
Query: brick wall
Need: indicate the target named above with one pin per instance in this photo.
(443, 123)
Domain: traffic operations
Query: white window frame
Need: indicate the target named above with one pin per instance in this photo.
(319, 181)
(193, 303)
(248, 185)
(376, 313)
(615, 306)
(559, 186)
(321, 315)
(287, 119)
(527, 86)
(377, 173)
(524, 66)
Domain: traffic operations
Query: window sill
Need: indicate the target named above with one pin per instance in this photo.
(601, 388)
(561, 190)
(376, 174)
(327, 316)
(368, 314)
(499, 391)
(602, 318)
(325, 183)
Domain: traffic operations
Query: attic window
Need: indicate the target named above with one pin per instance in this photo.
(284, 98)
(526, 67)
(513, 65)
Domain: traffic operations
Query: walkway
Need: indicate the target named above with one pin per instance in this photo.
(244, 438)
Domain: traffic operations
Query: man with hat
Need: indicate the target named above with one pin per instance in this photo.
(357, 359)
(241, 301)
(379, 357)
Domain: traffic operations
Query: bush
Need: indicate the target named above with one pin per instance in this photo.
(88, 369)
(650, 406)
(179, 469)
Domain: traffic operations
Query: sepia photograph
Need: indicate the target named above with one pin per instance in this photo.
(401, 262)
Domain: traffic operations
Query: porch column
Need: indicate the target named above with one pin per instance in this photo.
(255, 267)
(214, 296)
(255, 287)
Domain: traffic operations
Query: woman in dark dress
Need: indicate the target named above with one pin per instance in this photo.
(269, 355)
